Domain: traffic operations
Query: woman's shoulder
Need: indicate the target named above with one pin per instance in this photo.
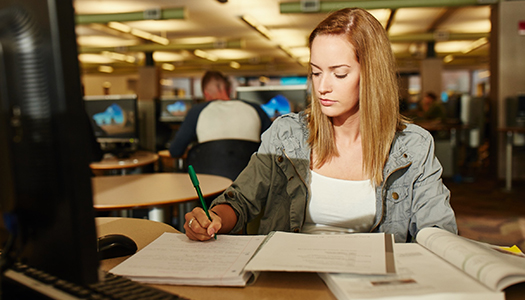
(290, 121)
(288, 128)
(413, 137)
(414, 131)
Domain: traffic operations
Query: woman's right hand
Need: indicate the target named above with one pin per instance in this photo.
(198, 227)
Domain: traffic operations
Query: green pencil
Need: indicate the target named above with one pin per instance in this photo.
(195, 181)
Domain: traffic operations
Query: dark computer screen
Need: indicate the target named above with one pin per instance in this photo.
(113, 117)
(276, 100)
(173, 109)
(45, 147)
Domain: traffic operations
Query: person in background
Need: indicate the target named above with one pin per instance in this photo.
(350, 162)
(432, 109)
(219, 117)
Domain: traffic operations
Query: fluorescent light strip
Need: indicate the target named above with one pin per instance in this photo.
(168, 67)
(119, 56)
(257, 26)
(105, 69)
(139, 33)
(476, 44)
(205, 55)
(119, 26)
(448, 58)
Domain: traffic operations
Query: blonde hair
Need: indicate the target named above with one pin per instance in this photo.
(378, 92)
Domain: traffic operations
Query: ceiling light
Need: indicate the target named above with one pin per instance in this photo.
(257, 26)
(235, 65)
(205, 55)
(119, 26)
(448, 58)
(141, 34)
(168, 67)
(119, 56)
(88, 58)
(105, 69)
(475, 45)
(160, 40)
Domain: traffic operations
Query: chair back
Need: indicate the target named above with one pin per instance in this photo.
(225, 158)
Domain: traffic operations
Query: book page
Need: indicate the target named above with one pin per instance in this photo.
(364, 253)
(174, 259)
(420, 275)
(494, 269)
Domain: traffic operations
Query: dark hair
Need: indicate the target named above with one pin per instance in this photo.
(432, 95)
(215, 76)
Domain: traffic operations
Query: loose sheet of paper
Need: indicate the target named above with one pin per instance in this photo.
(346, 253)
(174, 259)
(420, 275)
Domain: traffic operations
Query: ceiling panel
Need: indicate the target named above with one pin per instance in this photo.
(211, 26)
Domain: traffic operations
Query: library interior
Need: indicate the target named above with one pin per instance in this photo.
(94, 94)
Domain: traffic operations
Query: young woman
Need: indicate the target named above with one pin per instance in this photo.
(350, 162)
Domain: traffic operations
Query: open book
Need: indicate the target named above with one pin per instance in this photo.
(440, 265)
(174, 259)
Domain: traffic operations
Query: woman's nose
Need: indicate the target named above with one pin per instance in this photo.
(325, 85)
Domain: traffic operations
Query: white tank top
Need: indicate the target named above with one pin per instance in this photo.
(339, 206)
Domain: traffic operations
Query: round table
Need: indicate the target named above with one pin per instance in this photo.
(152, 191)
(137, 159)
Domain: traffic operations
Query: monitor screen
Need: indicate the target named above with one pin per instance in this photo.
(276, 100)
(174, 109)
(45, 145)
(113, 117)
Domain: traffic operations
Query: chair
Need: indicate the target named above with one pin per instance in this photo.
(225, 158)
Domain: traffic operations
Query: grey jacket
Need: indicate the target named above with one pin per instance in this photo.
(411, 196)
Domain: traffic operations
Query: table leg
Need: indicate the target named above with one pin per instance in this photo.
(508, 158)
(454, 149)
(156, 214)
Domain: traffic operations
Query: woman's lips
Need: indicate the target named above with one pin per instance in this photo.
(326, 102)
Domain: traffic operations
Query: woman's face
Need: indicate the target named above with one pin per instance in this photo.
(335, 76)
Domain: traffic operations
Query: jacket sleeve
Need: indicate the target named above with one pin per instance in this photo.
(431, 198)
(249, 192)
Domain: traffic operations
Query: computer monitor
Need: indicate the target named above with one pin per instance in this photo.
(45, 179)
(174, 109)
(276, 100)
(113, 117)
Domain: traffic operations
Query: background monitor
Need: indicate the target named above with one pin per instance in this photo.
(174, 109)
(276, 100)
(113, 117)
(45, 150)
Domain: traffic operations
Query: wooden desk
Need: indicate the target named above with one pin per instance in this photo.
(510, 131)
(152, 191)
(270, 285)
(136, 160)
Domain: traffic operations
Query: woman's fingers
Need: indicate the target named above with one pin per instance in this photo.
(197, 225)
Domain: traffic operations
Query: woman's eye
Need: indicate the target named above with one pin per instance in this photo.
(340, 76)
(315, 74)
